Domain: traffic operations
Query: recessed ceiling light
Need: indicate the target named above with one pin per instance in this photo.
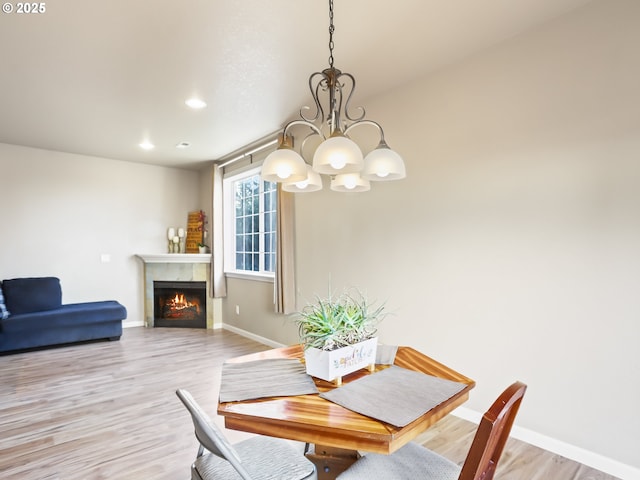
(183, 145)
(147, 145)
(195, 103)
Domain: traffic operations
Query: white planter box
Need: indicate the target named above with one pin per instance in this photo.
(334, 364)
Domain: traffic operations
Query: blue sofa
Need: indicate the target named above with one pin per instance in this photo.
(32, 315)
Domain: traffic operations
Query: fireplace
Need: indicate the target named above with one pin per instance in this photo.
(180, 304)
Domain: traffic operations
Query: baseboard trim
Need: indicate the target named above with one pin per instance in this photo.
(140, 323)
(132, 323)
(252, 336)
(577, 454)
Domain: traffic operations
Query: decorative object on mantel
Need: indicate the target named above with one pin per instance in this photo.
(203, 248)
(325, 137)
(196, 231)
(339, 335)
(171, 232)
(181, 240)
(176, 240)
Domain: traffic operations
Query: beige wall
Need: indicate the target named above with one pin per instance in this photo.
(254, 300)
(512, 250)
(60, 212)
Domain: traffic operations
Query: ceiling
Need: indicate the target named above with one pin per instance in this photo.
(99, 77)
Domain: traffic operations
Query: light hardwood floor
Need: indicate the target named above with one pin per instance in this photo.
(108, 410)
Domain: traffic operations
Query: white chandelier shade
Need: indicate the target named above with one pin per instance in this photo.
(383, 164)
(338, 154)
(350, 182)
(284, 165)
(312, 183)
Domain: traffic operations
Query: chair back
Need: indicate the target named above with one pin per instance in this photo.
(209, 436)
(492, 435)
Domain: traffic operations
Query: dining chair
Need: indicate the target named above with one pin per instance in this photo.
(257, 458)
(414, 461)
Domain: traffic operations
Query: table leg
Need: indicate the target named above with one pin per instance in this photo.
(331, 461)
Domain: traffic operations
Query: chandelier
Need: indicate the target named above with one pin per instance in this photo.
(325, 139)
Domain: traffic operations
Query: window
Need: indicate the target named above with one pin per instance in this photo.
(250, 224)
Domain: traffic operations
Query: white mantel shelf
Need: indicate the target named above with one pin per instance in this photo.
(175, 257)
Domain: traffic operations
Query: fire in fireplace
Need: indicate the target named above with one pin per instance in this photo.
(180, 304)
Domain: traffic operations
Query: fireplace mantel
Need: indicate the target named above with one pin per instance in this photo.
(175, 257)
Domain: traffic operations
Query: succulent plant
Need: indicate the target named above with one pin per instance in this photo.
(336, 322)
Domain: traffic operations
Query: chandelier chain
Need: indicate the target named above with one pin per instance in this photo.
(331, 30)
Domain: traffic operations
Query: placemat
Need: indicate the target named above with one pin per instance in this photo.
(276, 377)
(395, 395)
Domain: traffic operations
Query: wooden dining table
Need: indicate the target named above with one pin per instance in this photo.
(334, 433)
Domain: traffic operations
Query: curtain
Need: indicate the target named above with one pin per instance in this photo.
(285, 285)
(218, 281)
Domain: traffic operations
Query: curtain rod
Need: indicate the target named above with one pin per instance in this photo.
(261, 144)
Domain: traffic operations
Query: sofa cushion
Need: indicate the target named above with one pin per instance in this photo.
(76, 322)
(4, 313)
(26, 295)
(72, 315)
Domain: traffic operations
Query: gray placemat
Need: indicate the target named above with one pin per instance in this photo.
(276, 377)
(395, 395)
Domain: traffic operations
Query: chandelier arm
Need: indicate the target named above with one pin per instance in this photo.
(305, 123)
(359, 123)
(347, 113)
(314, 87)
(316, 96)
(303, 144)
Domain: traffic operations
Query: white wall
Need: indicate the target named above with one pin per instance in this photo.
(512, 250)
(60, 212)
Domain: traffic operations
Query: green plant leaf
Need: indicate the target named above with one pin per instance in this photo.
(331, 323)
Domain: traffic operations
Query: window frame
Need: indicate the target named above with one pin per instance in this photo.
(229, 221)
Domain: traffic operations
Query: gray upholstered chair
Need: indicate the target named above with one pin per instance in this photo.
(413, 462)
(258, 458)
